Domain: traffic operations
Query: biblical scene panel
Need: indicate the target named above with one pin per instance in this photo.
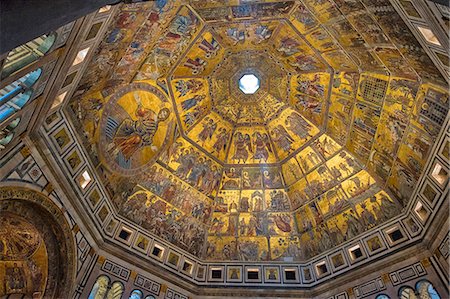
(330, 145)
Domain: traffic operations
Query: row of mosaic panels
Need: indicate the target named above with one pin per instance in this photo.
(429, 195)
(374, 286)
(377, 285)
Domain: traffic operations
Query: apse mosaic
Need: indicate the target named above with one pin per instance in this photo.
(329, 146)
(23, 257)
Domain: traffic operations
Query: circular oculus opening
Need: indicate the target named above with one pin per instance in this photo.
(249, 84)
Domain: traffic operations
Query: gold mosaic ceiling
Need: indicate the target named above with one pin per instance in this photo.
(328, 147)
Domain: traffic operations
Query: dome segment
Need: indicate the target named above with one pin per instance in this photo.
(312, 158)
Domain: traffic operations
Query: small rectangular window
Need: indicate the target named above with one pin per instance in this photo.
(440, 174)
(124, 235)
(395, 235)
(216, 273)
(429, 35)
(421, 211)
(321, 268)
(157, 251)
(59, 100)
(290, 274)
(355, 252)
(80, 56)
(84, 179)
(252, 274)
(104, 9)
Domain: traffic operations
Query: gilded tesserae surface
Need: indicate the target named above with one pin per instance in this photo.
(330, 145)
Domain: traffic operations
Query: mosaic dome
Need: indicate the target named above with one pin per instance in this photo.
(304, 161)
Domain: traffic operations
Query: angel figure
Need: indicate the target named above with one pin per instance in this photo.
(243, 145)
(262, 33)
(288, 46)
(282, 138)
(194, 101)
(262, 146)
(208, 130)
(222, 140)
(297, 125)
(238, 36)
(189, 86)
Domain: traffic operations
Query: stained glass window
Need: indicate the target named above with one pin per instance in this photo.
(407, 293)
(16, 95)
(116, 291)
(7, 134)
(135, 294)
(27, 53)
(426, 290)
(100, 288)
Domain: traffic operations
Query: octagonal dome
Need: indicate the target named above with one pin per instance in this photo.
(292, 167)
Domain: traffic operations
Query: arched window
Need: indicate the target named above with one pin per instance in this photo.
(7, 134)
(426, 290)
(407, 293)
(382, 296)
(27, 53)
(136, 294)
(150, 297)
(100, 288)
(14, 96)
(116, 291)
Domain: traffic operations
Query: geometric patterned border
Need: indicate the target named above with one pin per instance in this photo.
(147, 284)
(444, 248)
(407, 273)
(171, 294)
(116, 270)
(369, 288)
